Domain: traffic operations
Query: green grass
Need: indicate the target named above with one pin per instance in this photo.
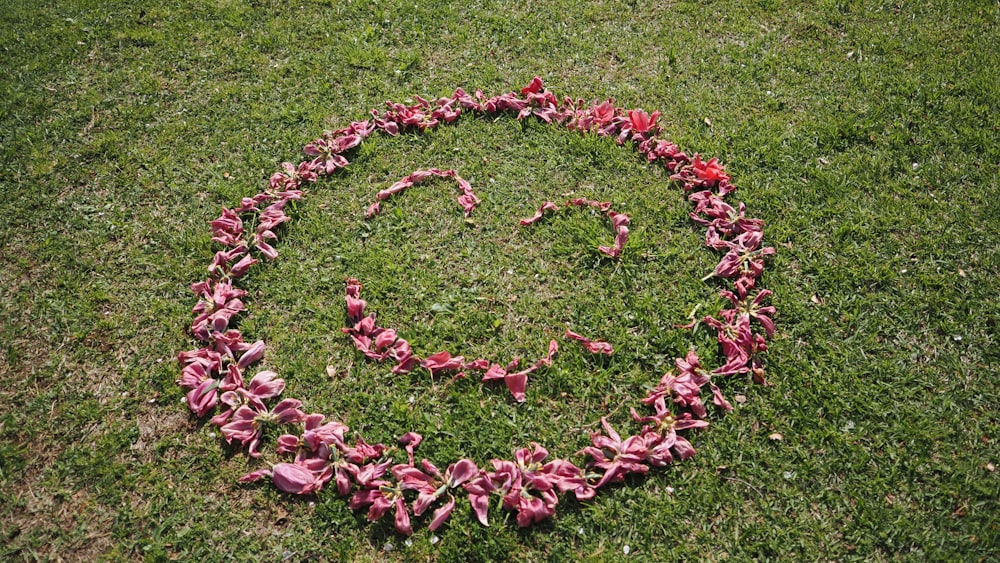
(865, 134)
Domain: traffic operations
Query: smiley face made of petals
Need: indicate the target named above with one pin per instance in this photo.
(316, 452)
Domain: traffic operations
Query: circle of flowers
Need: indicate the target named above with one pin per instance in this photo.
(320, 452)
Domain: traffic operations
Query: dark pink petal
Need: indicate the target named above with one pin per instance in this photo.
(410, 441)
(497, 372)
(621, 237)
(385, 339)
(442, 514)
(287, 411)
(532, 509)
(718, 399)
(369, 475)
(478, 365)
(553, 349)
(252, 354)
(363, 498)
(683, 448)
(595, 347)
(203, 398)
(460, 472)
(240, 268)
(402, 518)
(468, 201)
(479, 491)
(265, 385)
(517, 382)
(223, 417)
(547, 206)
(442, 361)
(288, 444)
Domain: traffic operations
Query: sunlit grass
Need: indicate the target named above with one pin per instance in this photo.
(864, 134)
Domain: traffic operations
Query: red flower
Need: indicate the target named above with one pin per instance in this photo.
(641, 121)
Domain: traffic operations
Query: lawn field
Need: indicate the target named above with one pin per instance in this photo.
(865, 135)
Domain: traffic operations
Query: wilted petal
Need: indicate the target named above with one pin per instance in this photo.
(266, 384)
(293, 478)
(240, 268)
(255, 476)
(402, 518)
(517, 382)
(287, 411)
(442, 361)
(442, 514)
(594, 347)
(718, 399)
(547, 206)
(385, 339)
(460, 472)
(252, 354)
(203, 398)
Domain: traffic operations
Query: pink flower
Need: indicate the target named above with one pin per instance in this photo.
(568, 477)
(199, 365)
(431, 485)
(642, 122)
(247, 424)
(703, 175)
(604, 112)
(264, 385)
(379, 495)
(616, 457)
(744, 260)
(736, 341)
(227, 230)
(355, 305)
(684, 387)
(661, 437)
(527, 487)
(752, 308)
(709, 171)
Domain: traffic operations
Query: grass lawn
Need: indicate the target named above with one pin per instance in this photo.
(865, 134)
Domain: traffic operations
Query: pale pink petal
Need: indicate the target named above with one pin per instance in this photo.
(255, 476)
(719, 400)
(293, 478)
(461, 471)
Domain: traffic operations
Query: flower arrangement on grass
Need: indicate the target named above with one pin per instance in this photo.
(317, 452)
